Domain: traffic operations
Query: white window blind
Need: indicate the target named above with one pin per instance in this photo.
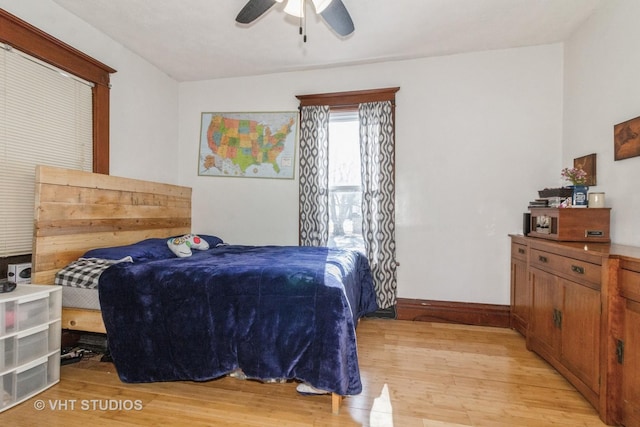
(46, 118)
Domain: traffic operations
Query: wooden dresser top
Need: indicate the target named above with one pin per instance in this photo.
(597, 249)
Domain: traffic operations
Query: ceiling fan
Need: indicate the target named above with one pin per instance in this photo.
(333, 12)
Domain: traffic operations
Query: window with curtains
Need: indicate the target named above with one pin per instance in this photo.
(54, 110)
(345, 210)
(319, 220)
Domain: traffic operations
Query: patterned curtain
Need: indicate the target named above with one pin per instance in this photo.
(314, 175)
(377, 155)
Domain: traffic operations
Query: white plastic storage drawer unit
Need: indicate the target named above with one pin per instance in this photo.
(29, 342)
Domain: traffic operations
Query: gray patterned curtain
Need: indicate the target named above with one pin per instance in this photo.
(314, 175)
(377, 155)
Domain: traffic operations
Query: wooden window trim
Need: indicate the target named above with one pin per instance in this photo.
(35, 42)
(349, 100)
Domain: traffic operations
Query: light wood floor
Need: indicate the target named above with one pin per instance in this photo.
(413, 373)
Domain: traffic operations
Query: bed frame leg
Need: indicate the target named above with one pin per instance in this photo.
(336, 401)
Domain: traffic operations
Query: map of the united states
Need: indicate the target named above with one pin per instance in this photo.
(237, 145)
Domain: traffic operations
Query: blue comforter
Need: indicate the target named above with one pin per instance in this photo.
(275, 312)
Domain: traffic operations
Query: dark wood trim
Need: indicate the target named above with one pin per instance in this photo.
(35, 42)
(348, 100)
(101, 129)
(453, 312)
(518, 325)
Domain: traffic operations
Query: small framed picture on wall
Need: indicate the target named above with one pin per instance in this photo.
(626, 139)
(587, 164)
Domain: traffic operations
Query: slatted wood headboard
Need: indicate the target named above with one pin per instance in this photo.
(76, 211)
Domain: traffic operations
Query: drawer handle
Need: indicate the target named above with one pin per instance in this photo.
(542, 258)
(521, 251)
(620, 351)
(557, 318)
(577, 269)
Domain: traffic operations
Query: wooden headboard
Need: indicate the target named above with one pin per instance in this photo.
(76, 211)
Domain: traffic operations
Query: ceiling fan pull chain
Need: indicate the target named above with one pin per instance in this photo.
(302, 21)
(304, 38)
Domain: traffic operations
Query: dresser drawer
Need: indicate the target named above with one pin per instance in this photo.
(519, 251)
(570, 268)
(630, 281)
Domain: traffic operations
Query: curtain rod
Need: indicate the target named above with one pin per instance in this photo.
(350, 106)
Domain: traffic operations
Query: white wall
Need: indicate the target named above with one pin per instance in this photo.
(476, 135)
(601, 89)
(144, 100)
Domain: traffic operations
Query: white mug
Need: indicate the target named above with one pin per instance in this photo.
(596, 200)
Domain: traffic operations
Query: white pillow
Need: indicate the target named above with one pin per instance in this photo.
(196, 242)
(182, 245)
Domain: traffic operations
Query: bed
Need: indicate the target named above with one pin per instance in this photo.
(273, 312)
(77, 211)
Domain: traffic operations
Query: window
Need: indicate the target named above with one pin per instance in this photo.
(345, 211)
(43, 50)
(45, 118)
(328, 195)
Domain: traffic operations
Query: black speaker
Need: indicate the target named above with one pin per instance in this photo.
(526, 223)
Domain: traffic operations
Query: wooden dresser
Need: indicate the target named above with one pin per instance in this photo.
(578, 305)
(627, 340)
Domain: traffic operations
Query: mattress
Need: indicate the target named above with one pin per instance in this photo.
(79, 281)
(80, 298)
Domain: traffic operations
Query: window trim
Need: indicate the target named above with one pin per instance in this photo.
(349, 100)
(35, 42)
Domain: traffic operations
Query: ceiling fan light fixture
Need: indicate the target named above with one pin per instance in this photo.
(320, 5)
(333, 12)
(295, 8)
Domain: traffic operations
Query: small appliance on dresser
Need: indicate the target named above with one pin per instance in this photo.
(19, 273)
(570, 224)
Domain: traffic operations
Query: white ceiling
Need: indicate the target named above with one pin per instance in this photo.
(199, 39)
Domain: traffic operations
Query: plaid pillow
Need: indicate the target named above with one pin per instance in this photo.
(85, 272)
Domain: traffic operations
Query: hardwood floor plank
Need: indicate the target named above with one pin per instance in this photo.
(413, 373)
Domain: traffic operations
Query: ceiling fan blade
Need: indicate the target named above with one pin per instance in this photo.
(253, 10)
(338, 18)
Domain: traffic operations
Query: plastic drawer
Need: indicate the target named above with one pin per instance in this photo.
(33, 313)
(7, 353)
(31, 378)
(7, 317)
(53, 369)
(55, 336)
(30, 338)
(7, 389)
(2, 318)
(55, 304)
(33, 345)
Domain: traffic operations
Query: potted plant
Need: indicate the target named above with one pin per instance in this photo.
(578, 179)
